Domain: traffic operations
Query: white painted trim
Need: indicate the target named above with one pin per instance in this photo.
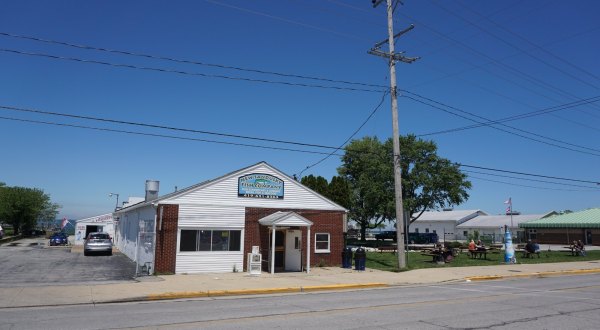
(328, 250)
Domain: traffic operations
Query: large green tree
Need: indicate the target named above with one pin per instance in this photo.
(23, 207)
(428, 180)
(338, 190)
(364, 168)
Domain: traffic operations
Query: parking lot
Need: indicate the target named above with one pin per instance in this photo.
(31, 262)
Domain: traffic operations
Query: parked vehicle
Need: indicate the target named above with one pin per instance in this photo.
(59, 239)
(387, 234)
(413, 238)
(97, 242)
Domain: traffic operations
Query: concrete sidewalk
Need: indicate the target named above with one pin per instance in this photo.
(320, 279)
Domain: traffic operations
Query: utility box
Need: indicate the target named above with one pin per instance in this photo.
(255, 261)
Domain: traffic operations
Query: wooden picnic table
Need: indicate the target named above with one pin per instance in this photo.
(480, 251)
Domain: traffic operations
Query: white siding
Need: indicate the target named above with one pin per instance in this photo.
(209, 262)
(129, 228)
(207, 216)
(225, 192)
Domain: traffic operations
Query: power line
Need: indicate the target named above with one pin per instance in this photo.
(512, 45)
(239, 144)
(161, 135)
(528, 174)
(526, 186)
(115, 121)
(176, 60)
(536, 46)
(533, 180)
(522, 116)
(498, 128)
(348, 139)
(255, 12)
(130, 66)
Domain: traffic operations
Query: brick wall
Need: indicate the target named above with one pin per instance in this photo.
(331, 222)
(166, 239)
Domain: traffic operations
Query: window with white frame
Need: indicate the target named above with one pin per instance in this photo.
(322, 243)
(192, 240)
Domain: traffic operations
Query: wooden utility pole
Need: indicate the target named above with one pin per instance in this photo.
(391, 4)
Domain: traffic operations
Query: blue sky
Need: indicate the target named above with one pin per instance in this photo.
(494, 59)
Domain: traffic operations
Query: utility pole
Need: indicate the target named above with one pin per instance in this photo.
(391, 4)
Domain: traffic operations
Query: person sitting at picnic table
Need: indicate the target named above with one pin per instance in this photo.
(532, 247)
(480, 246)
(529, 247)
(581, 248)
(472, 246)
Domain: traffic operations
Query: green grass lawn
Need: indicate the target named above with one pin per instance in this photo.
(388, 261)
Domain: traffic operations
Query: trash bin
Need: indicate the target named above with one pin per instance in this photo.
(360, 257)
(347, 258)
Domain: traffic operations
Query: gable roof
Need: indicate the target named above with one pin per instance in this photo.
(458, 216)
(285, 219)
(583, 219)
(496, 221)
(201, 185)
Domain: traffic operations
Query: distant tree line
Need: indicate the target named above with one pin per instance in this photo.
(24, 207)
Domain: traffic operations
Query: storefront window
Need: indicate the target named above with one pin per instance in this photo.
(210, 240)
(204, 240)
(188, 240)
(322, 243)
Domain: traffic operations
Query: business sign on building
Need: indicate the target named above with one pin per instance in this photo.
(259, 185)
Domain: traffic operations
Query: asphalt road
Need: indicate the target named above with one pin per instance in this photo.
(30, 262)
(567, 302)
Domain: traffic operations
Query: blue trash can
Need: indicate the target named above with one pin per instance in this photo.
(347, 258)
(360, 258)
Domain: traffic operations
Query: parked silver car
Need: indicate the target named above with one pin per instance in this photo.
(97, 242)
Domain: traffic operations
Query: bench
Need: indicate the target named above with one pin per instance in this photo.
(387, 248)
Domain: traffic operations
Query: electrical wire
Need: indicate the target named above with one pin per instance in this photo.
(526, 186)
(161, 135)
(532, 180)
(176, 60)
(348, 139)
(115, 121)
(266, 147)
(498, 128)
(510, 44)
(131, 66)
(522, 116)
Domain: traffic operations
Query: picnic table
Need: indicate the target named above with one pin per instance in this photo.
(439, 256)
(575, 251)
(479, 252)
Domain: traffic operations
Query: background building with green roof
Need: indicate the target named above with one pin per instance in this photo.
(565, 228)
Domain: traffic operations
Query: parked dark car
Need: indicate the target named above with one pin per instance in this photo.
(97, 242)
(388, 234)
(59, 239)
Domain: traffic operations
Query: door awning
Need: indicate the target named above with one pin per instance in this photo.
(285, 219)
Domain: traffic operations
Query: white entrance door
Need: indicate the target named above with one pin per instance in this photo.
(293, 250)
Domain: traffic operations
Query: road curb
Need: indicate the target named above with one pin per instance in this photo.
(537, 274)
(243, 292)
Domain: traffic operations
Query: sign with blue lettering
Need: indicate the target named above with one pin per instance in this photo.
(259, 185)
